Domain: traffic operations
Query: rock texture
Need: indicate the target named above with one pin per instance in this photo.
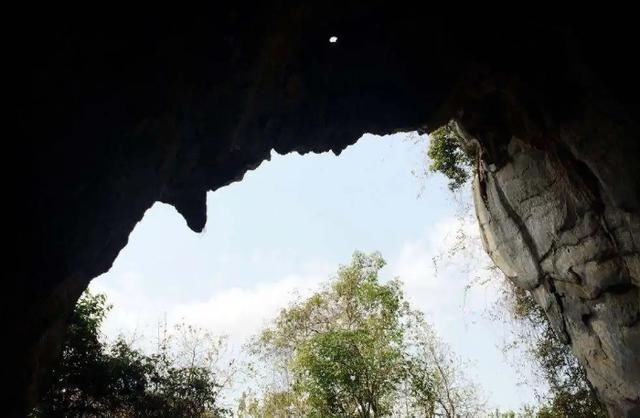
(558, 211)
(114, 113)
(554, 235)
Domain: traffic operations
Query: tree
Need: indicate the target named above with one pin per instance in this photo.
(346, 351)
(95, 379)
(186, 380)
(89, 380)
(437, 385)
(449, 157)
(526, 411)
(342, 346)
(272, 405)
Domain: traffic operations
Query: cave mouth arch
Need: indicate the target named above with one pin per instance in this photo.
(114, 117)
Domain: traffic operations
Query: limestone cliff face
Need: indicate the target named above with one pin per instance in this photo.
(113, 115)
(560, 223)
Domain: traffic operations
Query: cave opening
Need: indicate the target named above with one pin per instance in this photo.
(285, 227)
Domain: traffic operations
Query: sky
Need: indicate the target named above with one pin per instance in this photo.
(288, 225)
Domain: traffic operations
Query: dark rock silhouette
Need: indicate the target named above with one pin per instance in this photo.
(116, 114)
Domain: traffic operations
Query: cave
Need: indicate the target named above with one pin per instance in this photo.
(117, 113)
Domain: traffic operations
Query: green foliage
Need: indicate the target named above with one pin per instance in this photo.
(94, 379)
(570, 393)
(448, 157)
(353, 350)
(273, 405)
(525, 412)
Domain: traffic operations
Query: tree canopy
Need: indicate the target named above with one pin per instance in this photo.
(96, 379)
(356, 349)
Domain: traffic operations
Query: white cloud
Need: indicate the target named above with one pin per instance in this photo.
(132, 311)
(242, 312)
(238, 312)
(440, 268)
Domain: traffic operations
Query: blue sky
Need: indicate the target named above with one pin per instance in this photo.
(288, 225)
